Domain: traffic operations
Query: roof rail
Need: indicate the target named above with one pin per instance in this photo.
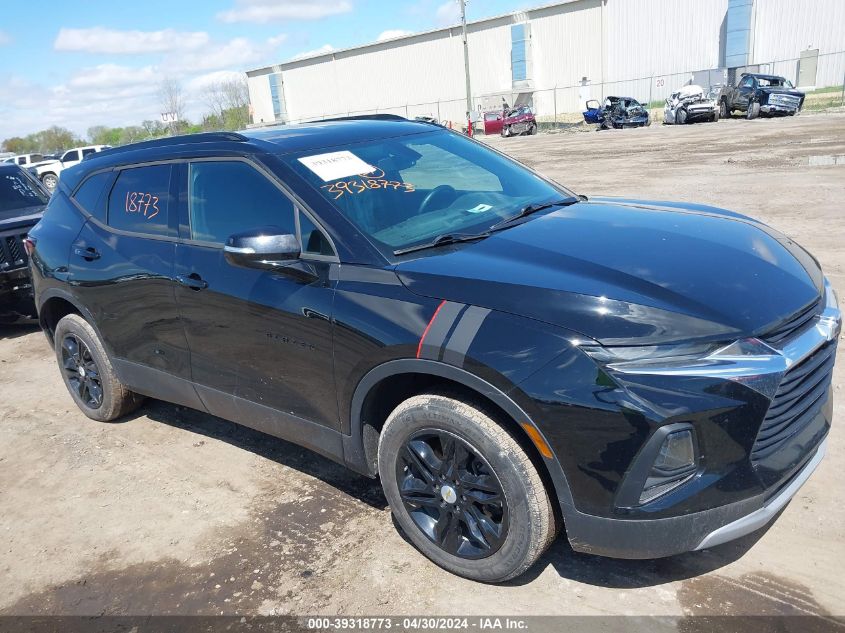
(183, 139)
(367, 117)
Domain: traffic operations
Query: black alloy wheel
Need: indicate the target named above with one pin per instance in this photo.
(452, 494)
(80, 368)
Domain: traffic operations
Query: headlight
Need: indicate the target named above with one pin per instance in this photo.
(620, 356)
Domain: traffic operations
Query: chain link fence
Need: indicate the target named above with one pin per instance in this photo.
(562, 106)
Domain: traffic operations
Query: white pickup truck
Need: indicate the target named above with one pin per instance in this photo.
(25, 160)
(48, 171)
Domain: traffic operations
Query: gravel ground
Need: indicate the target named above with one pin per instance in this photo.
(174, 512)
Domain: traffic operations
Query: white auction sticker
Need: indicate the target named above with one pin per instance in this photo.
(336, 165)
(481, 208)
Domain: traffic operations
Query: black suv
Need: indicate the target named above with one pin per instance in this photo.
(22, 202)
(509, 357)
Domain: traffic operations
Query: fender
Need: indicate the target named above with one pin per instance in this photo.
(353, 449)
(61, 293)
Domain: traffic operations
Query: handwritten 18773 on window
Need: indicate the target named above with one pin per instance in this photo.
(142, 202)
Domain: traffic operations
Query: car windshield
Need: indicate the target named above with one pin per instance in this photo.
(407, 190)
(774, 81)
(18, 192)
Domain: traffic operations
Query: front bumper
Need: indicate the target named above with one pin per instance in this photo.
(657, 538)
(779, 109)
(760, 413)
(16, 299)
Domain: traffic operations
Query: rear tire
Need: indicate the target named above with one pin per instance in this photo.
(489, 535)
(88, 373)
(724, 112)
(50, 181)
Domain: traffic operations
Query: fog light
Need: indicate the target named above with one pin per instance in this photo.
(675, 464)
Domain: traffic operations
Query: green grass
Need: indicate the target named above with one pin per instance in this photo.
(828, 89)
(823, 104)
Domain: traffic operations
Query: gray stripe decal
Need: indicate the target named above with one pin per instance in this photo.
(464, 335)
(439, 329)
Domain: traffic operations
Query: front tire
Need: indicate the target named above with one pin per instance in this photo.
(463, 489)
(88, 373)
(724, 112)
(533, 130)
(753, 110)
(681, 117)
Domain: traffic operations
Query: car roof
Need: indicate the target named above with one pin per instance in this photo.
(279, 139)
(761, 76)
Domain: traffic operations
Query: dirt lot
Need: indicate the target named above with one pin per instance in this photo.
(175, 512)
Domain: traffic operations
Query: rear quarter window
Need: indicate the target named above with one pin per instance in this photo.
(89, 195)
(140, 200)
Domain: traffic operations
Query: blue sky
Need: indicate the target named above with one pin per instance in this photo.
(83, 63)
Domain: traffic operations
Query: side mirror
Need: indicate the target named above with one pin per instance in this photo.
(266, 247)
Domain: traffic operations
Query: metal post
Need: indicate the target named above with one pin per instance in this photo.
(466, 55)
(555, 102)
(438, 111)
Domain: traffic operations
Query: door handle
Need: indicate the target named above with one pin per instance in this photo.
(192, 281)
(88, 254)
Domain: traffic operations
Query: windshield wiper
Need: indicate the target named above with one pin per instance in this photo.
(532, 208)
(442, 240)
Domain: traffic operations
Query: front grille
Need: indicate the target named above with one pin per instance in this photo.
(797, 401)
(793, 325)
(12, 252)
(790, 101)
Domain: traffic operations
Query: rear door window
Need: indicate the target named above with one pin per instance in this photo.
(140, 200)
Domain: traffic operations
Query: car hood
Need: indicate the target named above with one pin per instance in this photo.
(781, 91)
(49, 161)
(11, 218)
(629, 272)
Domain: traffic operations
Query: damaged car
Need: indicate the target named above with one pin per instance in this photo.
(757, 94)
(22, 203)
(617, 113)
(690, 104)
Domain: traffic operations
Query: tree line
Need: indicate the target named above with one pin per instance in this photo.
(227, 108)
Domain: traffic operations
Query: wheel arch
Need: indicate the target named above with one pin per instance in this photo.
(55, 304)
(408, 377)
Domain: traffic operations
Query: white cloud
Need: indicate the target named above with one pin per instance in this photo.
(325, 48)
(5, 38)
(116, 94)
(263, 11)
(391, 33)
(236, 53)
(198, 84)
(111, 76)
(448, 13)
(116, 42)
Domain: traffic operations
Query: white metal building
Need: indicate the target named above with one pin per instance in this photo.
(556, 56)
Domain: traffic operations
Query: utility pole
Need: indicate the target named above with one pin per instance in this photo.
(466, 55)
